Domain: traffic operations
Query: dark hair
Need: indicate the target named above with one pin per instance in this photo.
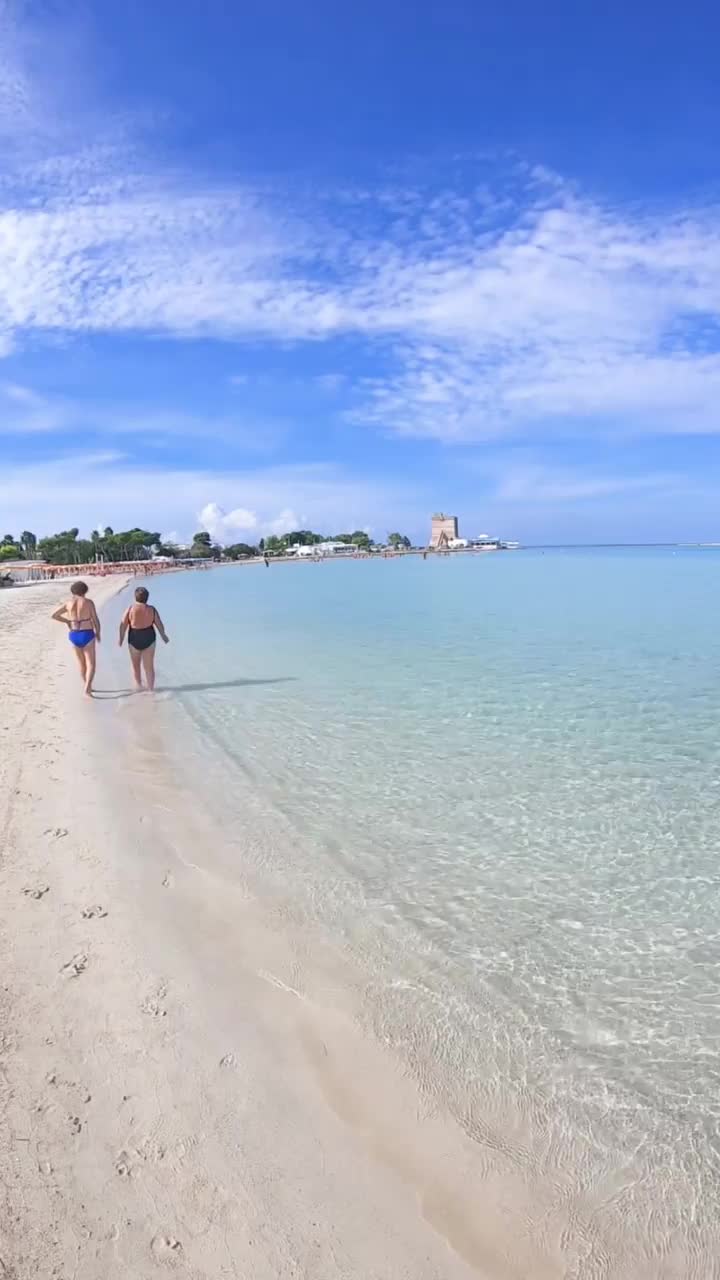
(79, 588)
(141, 595)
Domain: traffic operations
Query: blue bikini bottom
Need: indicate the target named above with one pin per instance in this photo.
(80, 638)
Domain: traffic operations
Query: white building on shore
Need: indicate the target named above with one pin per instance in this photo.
(323, 549)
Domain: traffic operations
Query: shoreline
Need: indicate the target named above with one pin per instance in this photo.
(39, 572)
(165, 1098)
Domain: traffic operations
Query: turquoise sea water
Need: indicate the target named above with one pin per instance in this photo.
(496, 781)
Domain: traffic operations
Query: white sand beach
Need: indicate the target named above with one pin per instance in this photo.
(164, 1100)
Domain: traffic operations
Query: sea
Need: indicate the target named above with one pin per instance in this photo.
(493, 782)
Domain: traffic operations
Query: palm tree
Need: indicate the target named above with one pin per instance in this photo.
(96, 537)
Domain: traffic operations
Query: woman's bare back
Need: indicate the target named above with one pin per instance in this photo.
(140, 616)
(80, 612)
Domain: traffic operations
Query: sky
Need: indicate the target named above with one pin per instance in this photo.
(270, 265)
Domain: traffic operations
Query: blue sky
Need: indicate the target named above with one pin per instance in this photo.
(273, 265)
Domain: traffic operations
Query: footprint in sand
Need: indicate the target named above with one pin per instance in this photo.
(58, 833)
(76, 966)
(150, 1151)
(123, 1167)
(167, 881)
(184, 1147)
(153, 1009)
(36, 891)
(154, 1006)
(95, 912)
(166, 1249)
(80, 1091)
(75, 1125)
(229, 1061)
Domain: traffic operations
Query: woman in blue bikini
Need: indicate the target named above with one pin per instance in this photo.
(81, 619)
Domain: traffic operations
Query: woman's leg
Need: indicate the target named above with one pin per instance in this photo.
(90, 660)
(135, 657)
(80, 655)
(148, 662)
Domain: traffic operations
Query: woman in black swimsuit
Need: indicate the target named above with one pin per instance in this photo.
(140, 622)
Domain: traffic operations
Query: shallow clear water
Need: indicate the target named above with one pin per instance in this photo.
(496, 779)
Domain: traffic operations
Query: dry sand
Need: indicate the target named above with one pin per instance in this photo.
(165, 1101)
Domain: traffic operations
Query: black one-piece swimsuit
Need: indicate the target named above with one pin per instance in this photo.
(142, 637)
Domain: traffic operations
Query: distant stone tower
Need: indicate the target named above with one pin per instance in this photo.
(442, 529)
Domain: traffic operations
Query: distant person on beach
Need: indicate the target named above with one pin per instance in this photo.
(140, 622)
(80, 617)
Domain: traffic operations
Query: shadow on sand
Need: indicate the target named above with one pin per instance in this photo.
(191, 688)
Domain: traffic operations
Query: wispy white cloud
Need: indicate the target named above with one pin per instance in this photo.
(526, 483)
(24, 411)
(573, 318)
(331, 383)
(569, 316)
(17, 93)
(526, 498)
